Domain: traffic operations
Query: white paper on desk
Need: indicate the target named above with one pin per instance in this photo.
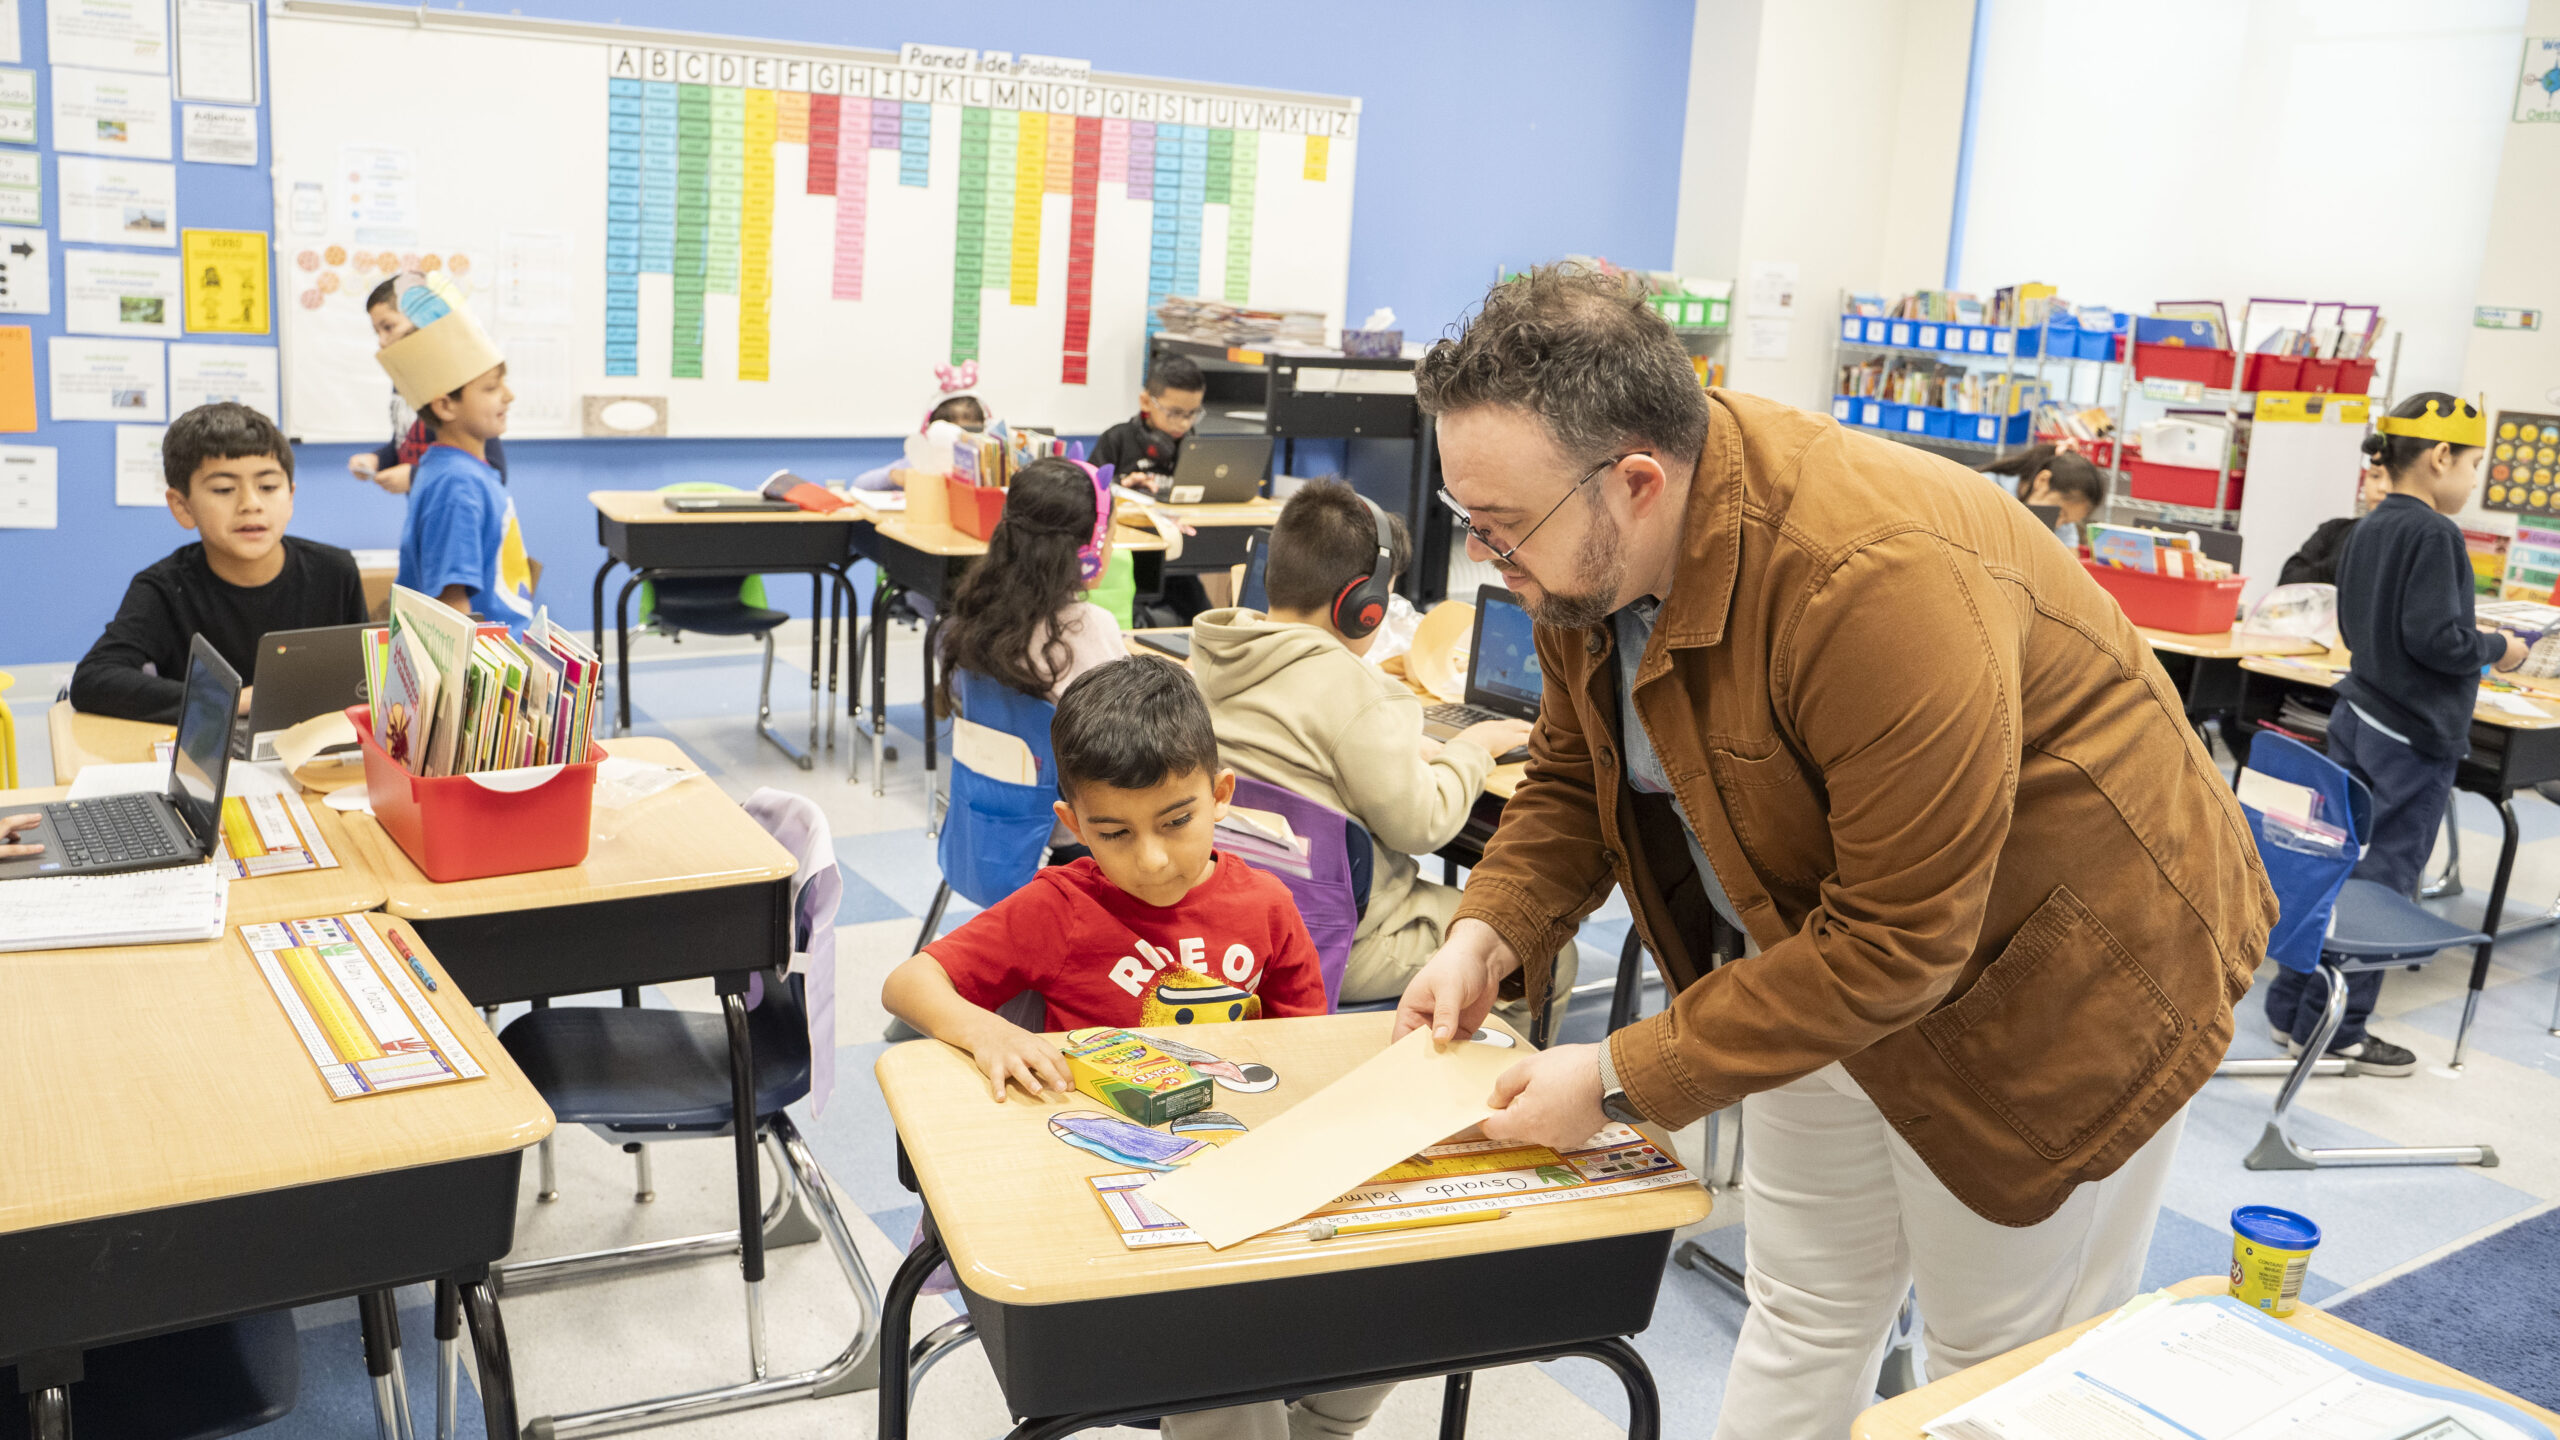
(353, 800)
(150, 777)
(621, 781)
(1414, 1093)
(139, 907)
(2515, 705)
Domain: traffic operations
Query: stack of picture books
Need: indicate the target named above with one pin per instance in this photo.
(2155, 552)
(455, 698)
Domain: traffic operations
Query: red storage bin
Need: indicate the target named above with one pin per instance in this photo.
(2171, 602)
(2177, 484)
(974, 508)
(2320, 376)
(2182, 362)
(2355, 377)
(2273, 372)
(469, 827)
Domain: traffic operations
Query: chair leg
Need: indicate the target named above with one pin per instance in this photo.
(742, 1099)
(448, 1356)
(2278, 1150)
(933, 917)
(928, 1352)
(379, 1320)
(647, 1190)
(805, 759)
(550, 1190)
(2450, 881)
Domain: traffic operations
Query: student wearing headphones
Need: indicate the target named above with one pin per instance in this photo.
(1297, 705)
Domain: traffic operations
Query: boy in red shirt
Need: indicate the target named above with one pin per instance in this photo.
(1138, 767)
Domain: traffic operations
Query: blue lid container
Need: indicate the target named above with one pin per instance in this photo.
(2281, 1229)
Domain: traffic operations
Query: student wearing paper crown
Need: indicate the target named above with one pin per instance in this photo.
(460, 541)
(2403, 719)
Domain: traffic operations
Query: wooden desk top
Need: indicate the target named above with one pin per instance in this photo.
(81, 740)
(1025, 1228)
(2225, 645)
(146, 1076)
(649, 507)
(1257, 511)
(1504, 781)
(2324, 668)
(352, 884)
(690, 837)
(1905, 1416)
(945, 540)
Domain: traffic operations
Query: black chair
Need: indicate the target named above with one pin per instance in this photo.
(191, 1385)
(718, 605)
(633, 1074)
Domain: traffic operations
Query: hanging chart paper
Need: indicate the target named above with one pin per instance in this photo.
(107, 379)
(27, 486)
(218, 135)
(355, 1006)
(17, 379)
(218, 51)
(139, 479)
(21, 188)
(109, 34)
(26, 270)
(18, 106)
(226, 279)
(208, 374)
(108, 112)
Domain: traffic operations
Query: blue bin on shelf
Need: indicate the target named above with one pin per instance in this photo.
(1890, 415)
(1852, 328)
(1844, 408)
(1942, 423)
(1897, 332)
(1994, 429)
(1977, 339)
(1871, 412)
(2097, 345)
(1928, 334)
(1875, 332)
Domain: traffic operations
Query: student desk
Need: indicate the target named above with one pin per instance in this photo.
(927, 559)
(1085, 1332)
(82, 740)
(352, 884)
(639, 532)
(2508, 753)
(1907, 1416)
(156, 1184)
(1217, 538)
(2206, 668)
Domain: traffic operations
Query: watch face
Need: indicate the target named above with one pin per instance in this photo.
(1615, 1106)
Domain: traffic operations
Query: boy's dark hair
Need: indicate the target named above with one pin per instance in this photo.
(2395, 453)
(1325, 539)
(1584, 354)
(386, 293)
(224, 430)
(1131, 724)
(960, 410)
(1174, 372)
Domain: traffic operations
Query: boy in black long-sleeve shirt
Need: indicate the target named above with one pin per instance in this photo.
(2403, 719)
(230, 477)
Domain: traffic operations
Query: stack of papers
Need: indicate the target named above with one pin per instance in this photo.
(2211, 1368)
(1263, 837)
(1194, 317)
(140, 907)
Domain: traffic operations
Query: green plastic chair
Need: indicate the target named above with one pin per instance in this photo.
(751, 591)
(1118, 590)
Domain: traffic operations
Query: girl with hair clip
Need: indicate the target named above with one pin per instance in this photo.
(1020, 617)
(2053, 475)
(2403, 719)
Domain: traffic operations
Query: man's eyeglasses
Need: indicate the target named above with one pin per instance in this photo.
(1485, 538)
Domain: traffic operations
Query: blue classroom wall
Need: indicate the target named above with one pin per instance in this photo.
(1493, 133)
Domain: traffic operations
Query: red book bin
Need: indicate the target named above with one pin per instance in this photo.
(2171, 602)
(469, 827)
(974, 508)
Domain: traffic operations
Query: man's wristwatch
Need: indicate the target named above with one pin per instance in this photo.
(1613, 1097)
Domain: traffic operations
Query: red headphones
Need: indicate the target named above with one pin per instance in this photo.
(1362, 605)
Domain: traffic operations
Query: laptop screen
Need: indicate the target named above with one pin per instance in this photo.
(1506, 659)
(1257, 558)
(201, 761)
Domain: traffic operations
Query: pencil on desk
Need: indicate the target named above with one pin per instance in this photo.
(1328, 1229)
(411, 956)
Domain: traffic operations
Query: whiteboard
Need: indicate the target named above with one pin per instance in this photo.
(486, 144)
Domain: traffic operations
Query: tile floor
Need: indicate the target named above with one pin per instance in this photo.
(684, 1327)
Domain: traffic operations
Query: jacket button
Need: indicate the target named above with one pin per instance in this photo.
(1593, 642)
(1609, 858)
(1608, 756)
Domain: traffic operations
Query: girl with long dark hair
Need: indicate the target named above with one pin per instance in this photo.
(1020, 616)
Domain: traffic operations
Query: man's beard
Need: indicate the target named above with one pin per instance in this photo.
(1599, 573)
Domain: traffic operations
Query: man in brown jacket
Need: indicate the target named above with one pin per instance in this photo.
(1841, 716)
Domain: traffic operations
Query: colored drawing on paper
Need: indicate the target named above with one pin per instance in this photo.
(1248, 1077)
(225, 272)
(1215, 1126)
(1123, 1141)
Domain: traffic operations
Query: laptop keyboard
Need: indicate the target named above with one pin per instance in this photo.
(1459, 715)
(110, 831)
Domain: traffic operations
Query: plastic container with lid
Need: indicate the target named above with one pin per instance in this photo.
(2270, 1257)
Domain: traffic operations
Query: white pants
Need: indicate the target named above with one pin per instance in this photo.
(1318, 1417)
(1841, 1216)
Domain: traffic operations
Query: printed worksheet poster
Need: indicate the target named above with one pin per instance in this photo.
(139, 479)
(108, 379)
(271, 835)
(21, 188)
(18, 106)
(217, 135)
(205, 374)
(218, 51)
(27, 487)
(114, 201)
(26, 270)
(109, 34)
(116, 292)
(108, 112)
(356, 1007)
(226, 277)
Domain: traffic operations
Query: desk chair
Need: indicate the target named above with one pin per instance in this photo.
(2333, 924)
(631, 1073)
(996, 831)
(1334, 894)
(725, 605)
(191, 1385)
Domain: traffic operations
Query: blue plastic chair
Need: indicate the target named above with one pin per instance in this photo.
(996, 832)
(2330, 923)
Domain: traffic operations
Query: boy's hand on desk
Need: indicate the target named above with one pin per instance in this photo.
(1551, 1099)
(2517, 650)
(1007, 1052)
(11, 827)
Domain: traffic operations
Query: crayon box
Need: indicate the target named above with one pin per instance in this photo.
(1128, 1073)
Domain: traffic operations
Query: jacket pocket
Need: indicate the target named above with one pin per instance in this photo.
(2062, 1031)
(1777, 812)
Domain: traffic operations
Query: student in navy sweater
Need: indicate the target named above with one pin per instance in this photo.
(2403, 718)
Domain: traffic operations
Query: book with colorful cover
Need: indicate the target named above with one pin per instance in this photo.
(405, 705)
(444, 637)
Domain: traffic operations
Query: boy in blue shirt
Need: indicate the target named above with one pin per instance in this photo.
(460, 542)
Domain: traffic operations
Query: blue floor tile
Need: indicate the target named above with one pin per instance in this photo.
(854, 1141)
(337, 1396)
(2514, 1023)
(864, 902)
(901, 865)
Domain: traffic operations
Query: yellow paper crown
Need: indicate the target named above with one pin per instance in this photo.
(2464, 424)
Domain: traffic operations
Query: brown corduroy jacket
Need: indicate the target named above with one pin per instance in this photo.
(1950, 793)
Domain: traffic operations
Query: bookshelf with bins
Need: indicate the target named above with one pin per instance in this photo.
(1929, 377)
(1700, 312)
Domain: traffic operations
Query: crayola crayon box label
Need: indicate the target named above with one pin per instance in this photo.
(1132, 1076)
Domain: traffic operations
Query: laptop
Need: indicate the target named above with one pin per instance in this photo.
(1503, 682)
(300, 673)
(1176, 643)
(117, 833)
(1218, 469)
(1257, 559)
(747, 501)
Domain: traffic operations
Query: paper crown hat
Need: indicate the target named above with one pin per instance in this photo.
(447, 351)
(2463, 424)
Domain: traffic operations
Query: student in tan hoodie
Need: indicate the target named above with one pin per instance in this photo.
(1296, 704)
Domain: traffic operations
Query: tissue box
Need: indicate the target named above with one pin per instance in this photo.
(1128, 1073)
(2185, 442)
(1373, 344)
